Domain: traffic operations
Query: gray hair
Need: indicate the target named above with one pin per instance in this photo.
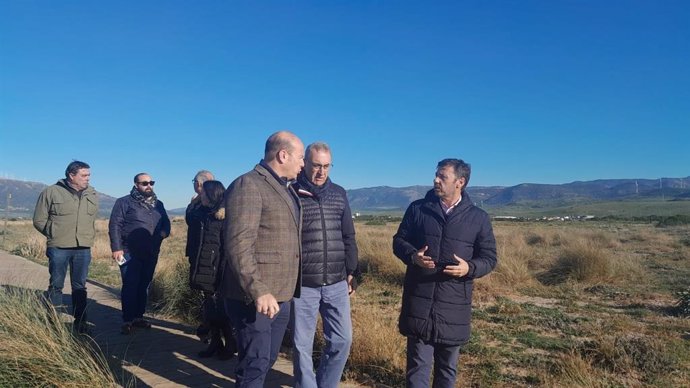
(203, 176)
(317, 146)
(461, 168)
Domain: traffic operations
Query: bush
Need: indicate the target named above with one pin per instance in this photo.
(583, 262)
(535, 239)
(627, 353)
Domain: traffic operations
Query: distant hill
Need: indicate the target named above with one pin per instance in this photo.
(24, 196)
(526, 195)
(385, 198)
(496, 199)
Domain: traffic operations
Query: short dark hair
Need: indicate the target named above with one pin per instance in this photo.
(461, 168)
(214, 191)
(74, 167)
(136, 177)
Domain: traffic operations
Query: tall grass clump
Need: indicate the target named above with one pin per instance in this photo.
(583, 262)
(33, 247)
(515, 254)
(170, 291)
(629, 353)
(40, 351)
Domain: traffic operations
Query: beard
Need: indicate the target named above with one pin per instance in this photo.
(147, 193)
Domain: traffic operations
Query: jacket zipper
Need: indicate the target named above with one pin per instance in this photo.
(325, 244)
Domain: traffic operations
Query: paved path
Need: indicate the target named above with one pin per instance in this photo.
(163, 356)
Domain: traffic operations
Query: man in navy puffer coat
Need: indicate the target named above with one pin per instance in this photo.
(329, 262)
(446, 242)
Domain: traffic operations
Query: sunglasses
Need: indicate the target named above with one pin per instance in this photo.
(147, 183)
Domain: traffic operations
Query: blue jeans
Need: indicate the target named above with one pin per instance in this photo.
(59, 259)
(420, 356)
(333, 302)
(137, 274)
(258, 341)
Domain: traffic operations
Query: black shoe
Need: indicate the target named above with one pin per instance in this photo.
(215, 345)
(210, 351)
(126, 328)
(225, 354)
(141, 323)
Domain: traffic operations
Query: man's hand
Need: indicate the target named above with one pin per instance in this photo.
(117, 254)
(458, 270)
(350, 290)
(267, 305)
(422, 260)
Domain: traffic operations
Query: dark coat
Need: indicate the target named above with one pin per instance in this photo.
(206, 249)
(192, 217)
(437, 307)
(329, 249)
(137, 228)
(261, 238)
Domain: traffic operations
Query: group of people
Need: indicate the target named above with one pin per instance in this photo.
(278, 249)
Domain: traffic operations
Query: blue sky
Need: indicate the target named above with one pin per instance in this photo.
(526, 91)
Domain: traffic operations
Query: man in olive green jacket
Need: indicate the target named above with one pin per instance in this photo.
(66, 214)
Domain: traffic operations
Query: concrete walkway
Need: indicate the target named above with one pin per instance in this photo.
(163, 356)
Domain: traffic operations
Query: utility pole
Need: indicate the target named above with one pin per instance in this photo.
(7, 216)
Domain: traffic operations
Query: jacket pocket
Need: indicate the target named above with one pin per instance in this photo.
(268, 257)
(91, 207)
(60, 207)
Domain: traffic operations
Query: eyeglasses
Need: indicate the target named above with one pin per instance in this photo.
(147, 183)
(324, 167)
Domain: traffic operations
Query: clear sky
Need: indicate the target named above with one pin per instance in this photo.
(525, 91)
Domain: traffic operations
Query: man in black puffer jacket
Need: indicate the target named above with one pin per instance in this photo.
(446, 242)
(329, 262)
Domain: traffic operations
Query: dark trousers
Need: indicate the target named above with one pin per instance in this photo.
(258, 341)
(137, 274)
(421, 355)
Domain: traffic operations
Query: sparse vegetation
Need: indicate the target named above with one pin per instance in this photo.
(580, 304)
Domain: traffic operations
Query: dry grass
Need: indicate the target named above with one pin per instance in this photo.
(569, 305)
(38, 350)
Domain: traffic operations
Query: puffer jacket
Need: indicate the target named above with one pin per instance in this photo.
(437, 307)
(207, 250)
(329, 249)
(67, 218)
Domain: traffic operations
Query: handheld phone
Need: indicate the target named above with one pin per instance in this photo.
(122, 259)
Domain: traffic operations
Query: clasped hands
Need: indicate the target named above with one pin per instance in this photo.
(458, 270)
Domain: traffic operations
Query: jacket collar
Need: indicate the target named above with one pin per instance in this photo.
(285, 191)
(432, 202)
(305, 187)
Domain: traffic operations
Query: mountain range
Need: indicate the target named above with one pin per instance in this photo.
(396, 199)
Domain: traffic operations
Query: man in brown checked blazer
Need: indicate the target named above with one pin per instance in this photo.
(263, 255)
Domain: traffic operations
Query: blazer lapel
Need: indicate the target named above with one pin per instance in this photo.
(282, 191)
